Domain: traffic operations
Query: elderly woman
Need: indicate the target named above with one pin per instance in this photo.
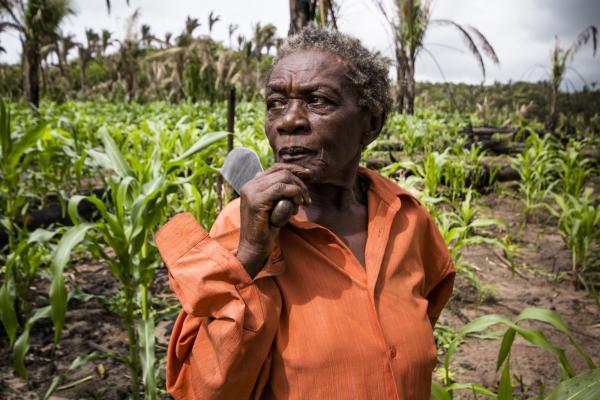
(340, 302)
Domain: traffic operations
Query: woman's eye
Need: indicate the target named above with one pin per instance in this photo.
(275, 104)
(318, 100)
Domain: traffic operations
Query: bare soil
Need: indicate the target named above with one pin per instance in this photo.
(542, 280)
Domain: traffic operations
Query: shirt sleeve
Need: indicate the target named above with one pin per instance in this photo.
(439, 270)
(220, 344)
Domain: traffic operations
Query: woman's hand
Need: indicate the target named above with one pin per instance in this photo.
(257, 198)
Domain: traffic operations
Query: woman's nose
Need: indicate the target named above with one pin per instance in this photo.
(294, 120)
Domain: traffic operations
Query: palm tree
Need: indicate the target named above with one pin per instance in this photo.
(326, 15)
(62, 47)
(231, 29)
(128, 53)
(409, 24)
(37, 22)
(190, 25)
(302, 12)
(560, 58)
(306, 12)
(212, 20)
(147, 36)
(264, 37)
(105, 41)
(167, 41)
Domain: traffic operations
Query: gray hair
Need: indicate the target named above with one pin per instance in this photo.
(368, 70)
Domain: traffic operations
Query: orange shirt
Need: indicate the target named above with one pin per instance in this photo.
(313, 324)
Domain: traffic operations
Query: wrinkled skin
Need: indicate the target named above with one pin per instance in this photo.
(317, 131)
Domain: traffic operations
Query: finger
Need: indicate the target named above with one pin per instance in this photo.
(297, 170)
(283, 190)
(264, 182)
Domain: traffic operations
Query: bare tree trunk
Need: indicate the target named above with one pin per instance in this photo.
(25, 70)
(401, 80)
(410, 87)
(44, 68)
(230, 118)
(553, 117)
(82, 61)
(323, 12)
(33, 61)
(301, 13)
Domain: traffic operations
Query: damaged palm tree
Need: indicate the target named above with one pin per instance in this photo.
(409, 22)
(560, 58)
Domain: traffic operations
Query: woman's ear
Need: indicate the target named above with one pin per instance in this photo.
(373, 126)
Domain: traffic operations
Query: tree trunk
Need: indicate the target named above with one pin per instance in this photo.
(301, 13)
(553, 117)
(410, 87)
(400, 80)
(323, 7)
(25, 69)
(33, 61)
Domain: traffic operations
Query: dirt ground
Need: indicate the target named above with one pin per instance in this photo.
(541, 280)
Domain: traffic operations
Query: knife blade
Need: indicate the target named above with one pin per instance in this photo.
(240, 166)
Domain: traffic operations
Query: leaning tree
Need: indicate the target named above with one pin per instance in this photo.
(37, 22)
(409, 22)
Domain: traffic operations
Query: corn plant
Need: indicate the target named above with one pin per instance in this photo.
(137, 205)
(26, 253)
(573, 168)
(459, 230)
(579, 225)
(537, 169)
(588, 381)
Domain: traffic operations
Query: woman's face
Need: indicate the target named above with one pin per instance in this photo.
(313, 117)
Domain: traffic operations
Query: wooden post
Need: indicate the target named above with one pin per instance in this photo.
(230, 118)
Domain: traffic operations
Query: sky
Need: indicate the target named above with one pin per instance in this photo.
(521, 31)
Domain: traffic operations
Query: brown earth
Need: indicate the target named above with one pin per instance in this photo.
(541, 280)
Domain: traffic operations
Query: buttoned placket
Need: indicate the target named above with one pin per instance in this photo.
(377, 239)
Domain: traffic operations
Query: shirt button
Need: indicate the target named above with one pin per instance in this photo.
(392, 352)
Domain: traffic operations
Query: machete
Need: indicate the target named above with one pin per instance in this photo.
(240, 166)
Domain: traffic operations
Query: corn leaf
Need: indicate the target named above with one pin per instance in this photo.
(22, 343)
(505, 347)
(75, 365)
(8, 314)
(438, 392)
(202, 143)
(505, 387)
(585, 386)
(58, 291)
(26, 141)
(552, 318)
(117, 160)
(146, 335)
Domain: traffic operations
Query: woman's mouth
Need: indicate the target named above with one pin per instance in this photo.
(294, 153)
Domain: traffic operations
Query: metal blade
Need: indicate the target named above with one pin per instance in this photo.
(240, 166)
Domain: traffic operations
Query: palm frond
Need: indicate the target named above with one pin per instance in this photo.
(487, 48)
(467, 39)
(4, 25)
(108, 5)
(591, 32)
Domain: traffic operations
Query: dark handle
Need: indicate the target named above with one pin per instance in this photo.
(282, 211)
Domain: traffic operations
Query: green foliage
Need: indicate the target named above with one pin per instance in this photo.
(533, 336)
(579, 225)
(537, 168)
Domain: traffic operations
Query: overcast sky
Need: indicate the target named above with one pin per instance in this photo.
(521, 31)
